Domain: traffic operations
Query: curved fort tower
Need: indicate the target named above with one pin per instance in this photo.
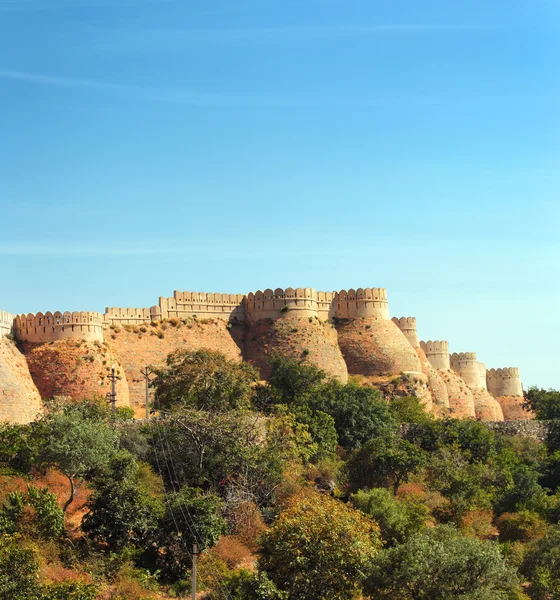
(342, 332)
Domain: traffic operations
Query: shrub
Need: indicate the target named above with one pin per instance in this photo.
(523, 526)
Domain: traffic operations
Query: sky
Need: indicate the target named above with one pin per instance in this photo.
(220, 146)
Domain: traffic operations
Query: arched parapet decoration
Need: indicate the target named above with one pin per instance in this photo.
(49, 327)
(203, 305)
(437, 353)
(6, 323)
(326, 305)
(365, 303)
(504, 382)
(408, 326)
(294, 303)
(466, 365)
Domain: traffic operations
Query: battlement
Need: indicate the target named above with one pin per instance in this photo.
(408, 326)
(299, 302)
(504, 382)
(182, 305)
(50, 327)
(6, 323)
(132, 316)
(362, 303)
(470, 369)
(437, 353)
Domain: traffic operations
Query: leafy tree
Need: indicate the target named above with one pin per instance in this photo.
(384, 463)
(544, 403)
(19, 569)
(542, 566)
(48, 514)
(409, 409)
(204, 380)
(190, 517)
(397, 519)
(11, 512)
(70, 590)
(122, 511)
(322, 430)
(245, 585)
(440, 563)
(319, 548)
(290, 379)
(78, 443)
(523, 526)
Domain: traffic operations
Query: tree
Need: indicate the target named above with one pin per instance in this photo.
(384, 462)
(191, 517)
(204, 380)
(19, 569)
(319, 548)
(121, 510)
(439, 564)
(291, 379)
(409, 409)
(78, 444)
(397, 519)
(542, 566)
(245, 585)
(544, 403)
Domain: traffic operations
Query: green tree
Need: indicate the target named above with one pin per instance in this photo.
(190, 517)
(48, 514)
(204, 380)
(544, 403)
(19, 568)
(542, 566)
(439, 564)
(409, 409)
(121, 510)
(384, 462)
(78, 443)
(290, 379)
(246, 585)
(319, 548)
(397, 519)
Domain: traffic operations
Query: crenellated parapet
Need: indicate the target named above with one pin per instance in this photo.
(466, 365)
(363, 303)
(437, 353)
(50, 327)
(299, 303)
(504, 382)
(184, 305)
(408, 326)
(131, 316)
(6, 323)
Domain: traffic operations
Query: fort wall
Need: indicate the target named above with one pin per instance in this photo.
(184, 305)
(468, 368)
(56, 326)
(6, 323)
(131, 316)
(437, 352)
(504, 382)
(363, 303)
(298, 303)
(408, 326)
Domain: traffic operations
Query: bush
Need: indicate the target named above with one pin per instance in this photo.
(523, 526)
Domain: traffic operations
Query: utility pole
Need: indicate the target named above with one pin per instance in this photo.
(112, 395)
(195, 553)
(146, 372)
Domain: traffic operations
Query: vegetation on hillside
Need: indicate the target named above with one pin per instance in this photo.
(298, 488)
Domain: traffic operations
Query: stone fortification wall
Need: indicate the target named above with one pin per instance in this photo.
(131, 316)
(408, 326)
(469, 369)
(504, 382)
(50, 327)
(298, 303)
(363, 303)
(437, 352)
(6, 323)
(184, 305)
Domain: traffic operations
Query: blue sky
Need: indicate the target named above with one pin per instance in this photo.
(153, 145)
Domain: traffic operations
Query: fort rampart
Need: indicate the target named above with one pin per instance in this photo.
(6, 323)
(50, 327)
(469, 368)
(437, 352)
(408, 326)
(504, 382)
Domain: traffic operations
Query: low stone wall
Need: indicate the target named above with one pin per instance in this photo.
(536, 430)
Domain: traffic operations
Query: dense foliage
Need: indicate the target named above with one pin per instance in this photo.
(300, 487)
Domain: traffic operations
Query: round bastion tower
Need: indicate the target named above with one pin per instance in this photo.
(505, 385)
(50, 327)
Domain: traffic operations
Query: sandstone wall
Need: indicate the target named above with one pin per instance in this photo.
(376, 347)
(20, 401)
(468, 368)
(504, 382)
(437, 352)
(6, 323)
(461, 400)
(138, 346)
(408, 326)
(438, 389)
(306, 339)
(56, 326)
(184, 305)
(512, 407)
(75, 369)
(486, 407)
